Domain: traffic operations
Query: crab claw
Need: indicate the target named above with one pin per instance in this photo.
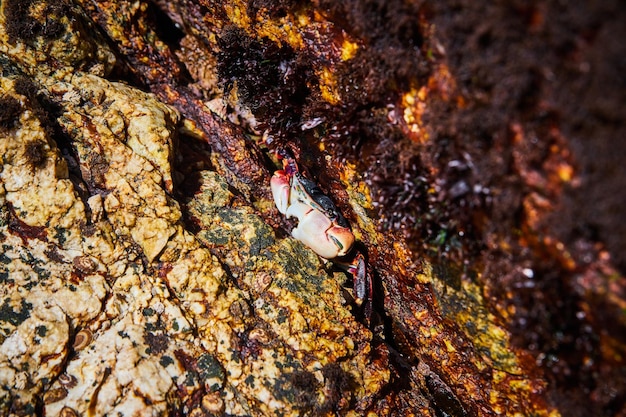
(317, 232)
(280, 185)
(342, 237)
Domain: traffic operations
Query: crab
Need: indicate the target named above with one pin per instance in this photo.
(321, 226)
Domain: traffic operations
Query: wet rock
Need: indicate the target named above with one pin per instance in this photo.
(111, 305)
(144, 269)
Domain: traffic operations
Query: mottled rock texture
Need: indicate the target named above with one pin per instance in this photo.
(110, 305)
(144, 269)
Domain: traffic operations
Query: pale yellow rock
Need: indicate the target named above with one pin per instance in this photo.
(96, 248)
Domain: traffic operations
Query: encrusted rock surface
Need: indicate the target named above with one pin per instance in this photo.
(110, 305)
(144, 269)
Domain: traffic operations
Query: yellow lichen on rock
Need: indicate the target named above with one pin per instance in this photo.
(328, 86)
(74, 45)
(147, 301)
(71, 265)
(299, 305)
(110, 304)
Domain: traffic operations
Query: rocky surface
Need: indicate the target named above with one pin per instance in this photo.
(110, 305)
(144, 269)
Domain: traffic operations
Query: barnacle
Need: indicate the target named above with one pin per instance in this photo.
(82, 339)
